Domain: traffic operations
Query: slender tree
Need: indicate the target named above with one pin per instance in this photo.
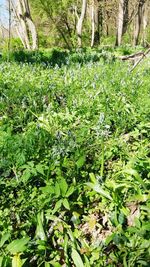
(24, 24)
(122, 20)
(138, 21)
(96, 21)
(9, 29)
(145, 23)
(80, 22)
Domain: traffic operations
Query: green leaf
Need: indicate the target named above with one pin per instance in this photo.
(92, 177)
(57, 190)
(55, 264)
(142, 262)
(57, 206)
(76, 258)
(18, 245)
(26, 176)
(48, 189)
(16, 261)
(80, 162)
(96, 187)
(39, 169)
(40, 229)
(70, 191)
(1, 261)
(134, 173)
(66, 204)
(4, 238)
(63, 186)
(121, 218)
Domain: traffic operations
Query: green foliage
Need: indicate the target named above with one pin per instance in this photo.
(74, 161)
(58, 57)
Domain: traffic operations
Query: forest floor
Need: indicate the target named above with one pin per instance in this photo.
(74, 163)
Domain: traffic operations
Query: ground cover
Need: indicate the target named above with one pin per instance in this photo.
(74, 164)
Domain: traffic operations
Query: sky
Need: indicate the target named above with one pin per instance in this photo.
(3, 13)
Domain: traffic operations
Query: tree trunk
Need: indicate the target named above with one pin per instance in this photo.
(122, 21)
(30, 24)
(96, 21)
(138, 21)
(24, 24)
(93, 23)
(125, 16)
(145, 23)
(80, 22)
(20, 23)
(9, 29)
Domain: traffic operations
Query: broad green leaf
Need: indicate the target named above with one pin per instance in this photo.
(47, 264)
(121, 218)
(4, 238)
(63, 186)
(55, 264)
(92, 177)
(47, 189)
(96, 187)
(76, 258)
(39, 169)
(16, 261)
(57, 190)
(18, 245)
(40, 229)
(26, 176)
(57, 206)
(66, 204)
(80, 162)
(70, 191)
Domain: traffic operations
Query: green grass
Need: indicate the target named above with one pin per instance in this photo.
(74, 164)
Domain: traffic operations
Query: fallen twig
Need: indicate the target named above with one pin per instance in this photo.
(138, 62)
(132, 57)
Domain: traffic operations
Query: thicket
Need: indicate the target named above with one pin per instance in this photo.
(74, 163)
(58, 56)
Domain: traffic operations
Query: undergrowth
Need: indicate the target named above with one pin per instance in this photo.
(74, 164)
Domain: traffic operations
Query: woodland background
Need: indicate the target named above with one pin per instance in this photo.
(69, 24)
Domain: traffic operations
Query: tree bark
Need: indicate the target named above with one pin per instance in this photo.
(122, 21)
(93, 24)
(24, 24)
(30, 24)
(80, 22)
(96, 21)
(138, 21)
(145, 23)
(20, 23)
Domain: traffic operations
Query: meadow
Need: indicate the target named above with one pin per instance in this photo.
(74, 162)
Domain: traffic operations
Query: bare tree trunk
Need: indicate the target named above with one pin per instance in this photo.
(32, 28)
(80, 22)
(96, 21)
(138, 21)
(145, 23)
(93, 23)
(24, 24)
(122, 20)
(9, 29)
(125, 16)
(20, 24)
(30, 24)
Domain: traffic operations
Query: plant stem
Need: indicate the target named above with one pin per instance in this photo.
(102, 159)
